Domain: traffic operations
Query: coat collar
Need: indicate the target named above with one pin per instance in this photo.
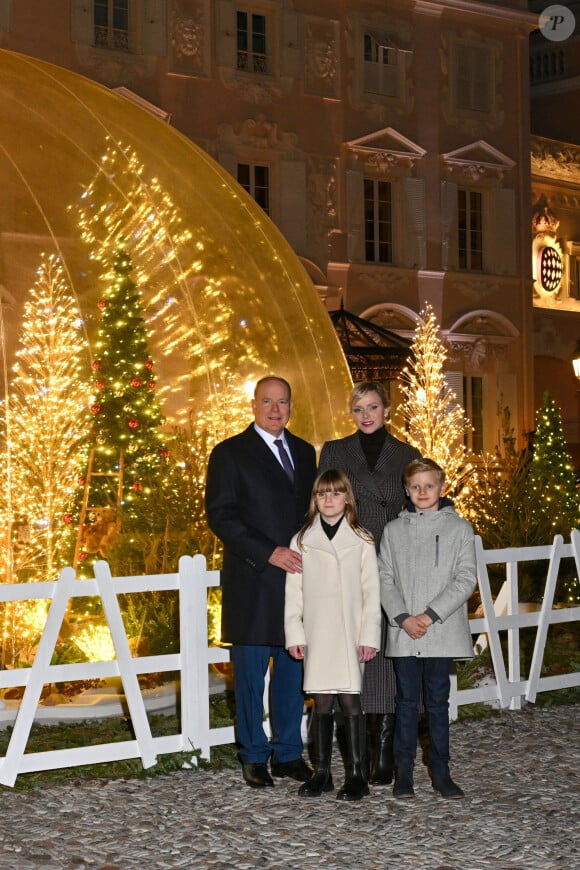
(318, 539)
(371, 480)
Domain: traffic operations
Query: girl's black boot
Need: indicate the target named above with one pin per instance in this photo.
(321, 779)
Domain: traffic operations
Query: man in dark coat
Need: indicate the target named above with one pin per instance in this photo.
(257, 494)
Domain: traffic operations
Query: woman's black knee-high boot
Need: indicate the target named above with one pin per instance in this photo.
(382, 759)
(321, 779)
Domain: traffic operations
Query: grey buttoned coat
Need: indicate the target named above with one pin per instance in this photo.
(427, 560)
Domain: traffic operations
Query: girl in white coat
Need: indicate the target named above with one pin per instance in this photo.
(332, 621)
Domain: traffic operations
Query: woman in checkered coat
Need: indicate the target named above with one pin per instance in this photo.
(373, 460)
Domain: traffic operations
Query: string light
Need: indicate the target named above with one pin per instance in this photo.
(434, 421)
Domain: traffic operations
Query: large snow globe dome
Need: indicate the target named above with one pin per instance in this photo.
(225, 300)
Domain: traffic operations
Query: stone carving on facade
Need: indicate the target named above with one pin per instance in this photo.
(322, 215)
(187, 26)
(555, 159)
(253, 90)
(321, 74)
(114, 68)
(384, 151)
(259, 133)
(476, 162)
(387, 282)
(475, 290)
(547, 254)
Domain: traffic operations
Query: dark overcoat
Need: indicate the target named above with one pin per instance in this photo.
(253, 508)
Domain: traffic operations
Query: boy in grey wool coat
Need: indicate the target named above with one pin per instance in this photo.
(427, 571)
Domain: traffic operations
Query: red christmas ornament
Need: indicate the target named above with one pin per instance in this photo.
(136, 382)
(137, 486)
(67, 518)
(102, 304)
(82, 556)
(95, 409)
(97, 365)
(149, 364)
(164, 452)
(81, 481)
(133, 423)
(99, 385)
(151, 385)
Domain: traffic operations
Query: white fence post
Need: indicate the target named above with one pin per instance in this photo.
(125, 664)
(545, 613)
(513, 634)
(188, 651)
(36, 680)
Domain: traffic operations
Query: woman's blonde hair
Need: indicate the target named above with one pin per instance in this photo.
(334, 480)
(364, 387)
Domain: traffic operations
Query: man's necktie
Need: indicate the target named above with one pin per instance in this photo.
(285, 459)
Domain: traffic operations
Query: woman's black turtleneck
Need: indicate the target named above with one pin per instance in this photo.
(372, 444)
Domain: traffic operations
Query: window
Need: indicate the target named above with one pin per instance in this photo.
(111, 19)
(251, 42)
(378, 221)
(473, 78)
(470, 230)
(574, 271)
(381, 75)
(548, 65)
(256, 180)
(473, 405)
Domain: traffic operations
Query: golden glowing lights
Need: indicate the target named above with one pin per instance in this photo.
(434, 421)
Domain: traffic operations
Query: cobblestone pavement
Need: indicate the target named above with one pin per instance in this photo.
(520, 771)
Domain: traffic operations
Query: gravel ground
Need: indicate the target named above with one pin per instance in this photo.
(520, 771)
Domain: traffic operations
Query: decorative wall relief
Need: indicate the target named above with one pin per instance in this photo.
(322, 214)
(321, 57)
(188, 26)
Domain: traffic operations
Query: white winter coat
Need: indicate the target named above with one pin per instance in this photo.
(333, 607)
(427, 559)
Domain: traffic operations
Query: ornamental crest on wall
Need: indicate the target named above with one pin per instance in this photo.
(547, 256)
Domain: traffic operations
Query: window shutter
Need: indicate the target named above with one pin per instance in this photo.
(502, 233)
(82, 25)
(449, 253)
(413, 214)
(290, 43)
(229, 162)
(6, 7)
(454, 382)
(226, 33)
(154, 27)
(292, 203)
(355, 216)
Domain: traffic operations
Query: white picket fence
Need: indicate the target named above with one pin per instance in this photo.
(195, 656)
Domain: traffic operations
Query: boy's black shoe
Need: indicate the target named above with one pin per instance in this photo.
(403, 787)
(448, 789)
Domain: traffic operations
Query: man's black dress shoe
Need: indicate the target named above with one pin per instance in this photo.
(256, 775)
(297, 769)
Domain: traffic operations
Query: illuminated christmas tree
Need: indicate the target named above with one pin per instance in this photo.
(46, 422)
(44, 446)
(128, 456)
(552, 479)
(434, 421)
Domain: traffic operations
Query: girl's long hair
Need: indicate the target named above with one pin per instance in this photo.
(334, 480)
